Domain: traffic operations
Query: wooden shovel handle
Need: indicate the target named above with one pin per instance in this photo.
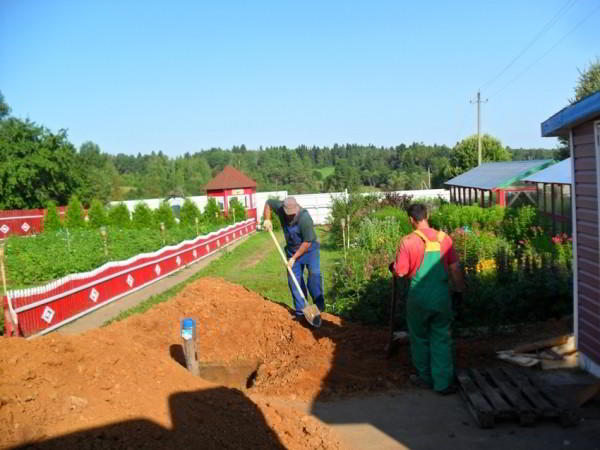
(285, 262)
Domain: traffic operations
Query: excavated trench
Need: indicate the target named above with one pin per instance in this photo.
(239, 374)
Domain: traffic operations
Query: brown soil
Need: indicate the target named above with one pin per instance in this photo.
(123, 387)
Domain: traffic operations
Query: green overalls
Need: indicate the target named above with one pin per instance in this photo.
(429, 316)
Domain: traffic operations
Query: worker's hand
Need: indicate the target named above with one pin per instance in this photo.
(392, 268)
(268, 225)
(291, 262)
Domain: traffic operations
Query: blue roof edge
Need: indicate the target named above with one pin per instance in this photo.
(559, 123)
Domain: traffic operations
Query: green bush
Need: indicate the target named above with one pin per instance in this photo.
(390, 212)
(212, 212)
(142, 216)
(164, 214)
(515, 272)
(118, 216)
(74, 214)
(237, 210)
(97, 215)
(355, 208)
(52, 218)
(188, 213)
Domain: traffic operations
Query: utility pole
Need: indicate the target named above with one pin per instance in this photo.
(479, 102)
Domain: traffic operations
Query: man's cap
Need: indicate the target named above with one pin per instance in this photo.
(290, 206)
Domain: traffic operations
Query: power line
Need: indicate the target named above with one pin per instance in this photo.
(581, 22)
(563, 9)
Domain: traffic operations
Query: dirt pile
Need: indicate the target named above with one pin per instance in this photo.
(123, 386)
(119, 387)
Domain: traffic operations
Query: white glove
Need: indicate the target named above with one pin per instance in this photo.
(268, 225)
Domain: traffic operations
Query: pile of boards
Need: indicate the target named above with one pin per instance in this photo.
(553, 353)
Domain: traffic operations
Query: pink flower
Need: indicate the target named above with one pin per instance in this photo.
(557, 240)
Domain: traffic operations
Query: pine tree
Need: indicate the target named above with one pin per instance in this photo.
(75, 214)
(142, 216)
(118, 216)
(97, 214)
(52, 219)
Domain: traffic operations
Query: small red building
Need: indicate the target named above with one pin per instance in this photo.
(230, 184)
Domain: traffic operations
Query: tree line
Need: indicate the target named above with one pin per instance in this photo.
(38, 166)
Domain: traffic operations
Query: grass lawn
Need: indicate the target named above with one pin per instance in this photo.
(254, 264)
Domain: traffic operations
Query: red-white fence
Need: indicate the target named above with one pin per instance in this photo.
(23, 221)
(43, 309)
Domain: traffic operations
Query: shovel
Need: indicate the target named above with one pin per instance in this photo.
(310, 311)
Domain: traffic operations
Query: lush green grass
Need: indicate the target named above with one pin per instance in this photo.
(254, 264)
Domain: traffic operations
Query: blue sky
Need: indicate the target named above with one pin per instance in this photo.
(138, 76)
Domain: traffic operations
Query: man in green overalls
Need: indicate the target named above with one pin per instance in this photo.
(427, 257)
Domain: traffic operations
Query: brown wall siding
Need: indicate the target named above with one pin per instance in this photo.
(588, 246)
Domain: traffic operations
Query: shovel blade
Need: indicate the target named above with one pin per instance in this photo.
(312, 315)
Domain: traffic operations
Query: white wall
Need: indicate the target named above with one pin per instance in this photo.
(318, 205)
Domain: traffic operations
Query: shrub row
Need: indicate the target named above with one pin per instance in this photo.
(142, 216)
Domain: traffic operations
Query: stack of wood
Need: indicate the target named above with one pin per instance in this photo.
(554, 353)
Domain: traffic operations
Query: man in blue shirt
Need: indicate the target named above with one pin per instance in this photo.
(302, 249)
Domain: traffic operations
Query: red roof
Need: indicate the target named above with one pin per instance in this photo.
(230, 178)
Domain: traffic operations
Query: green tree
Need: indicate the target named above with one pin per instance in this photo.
(588, 82)
(97, 214)
(35, 165)
(118, 216)
(142, 216)
(464, 155)
(188, 213)
(212, 212)
(97, 174)
(164, 214)
(4, 108)
(52, 218)
(75, 214)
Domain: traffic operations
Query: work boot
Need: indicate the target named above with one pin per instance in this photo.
(418, 382)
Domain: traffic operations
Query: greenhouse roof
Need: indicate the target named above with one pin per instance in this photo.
(494, 175)
(559, 173)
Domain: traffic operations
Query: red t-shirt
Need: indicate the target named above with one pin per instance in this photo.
(411, 251)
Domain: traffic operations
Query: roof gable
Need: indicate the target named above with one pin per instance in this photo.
(230, 178)
(494, 175)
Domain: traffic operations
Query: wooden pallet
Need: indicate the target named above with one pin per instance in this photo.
(512, 394)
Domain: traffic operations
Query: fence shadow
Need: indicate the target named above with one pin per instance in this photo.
(208, 419)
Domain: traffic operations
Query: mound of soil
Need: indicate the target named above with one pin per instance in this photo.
(124, 386)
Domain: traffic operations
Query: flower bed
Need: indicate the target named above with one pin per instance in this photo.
(515, 272)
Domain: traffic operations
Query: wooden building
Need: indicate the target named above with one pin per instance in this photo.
(230, 184)
(496, 183)
(580, 122)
